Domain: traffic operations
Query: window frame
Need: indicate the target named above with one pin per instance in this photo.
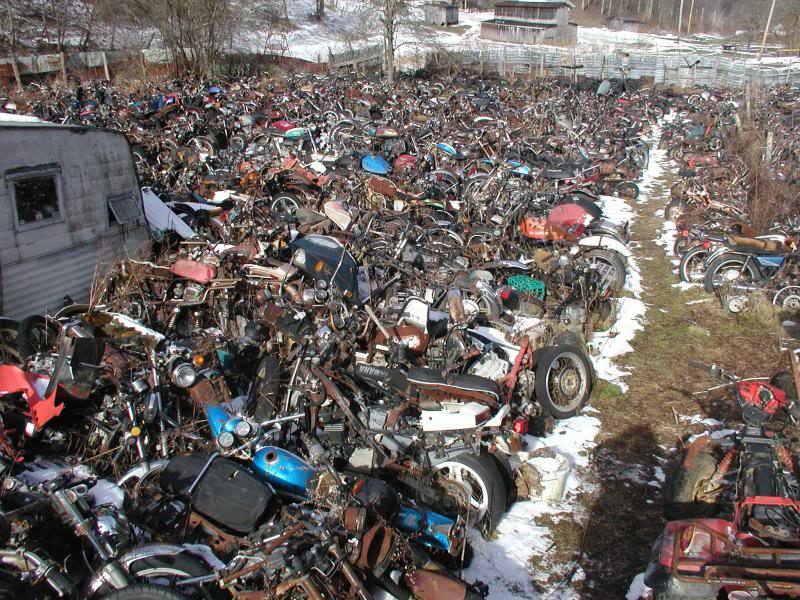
(110, 212)
(16, 175)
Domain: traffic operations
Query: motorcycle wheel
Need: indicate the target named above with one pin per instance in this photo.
(285, 203)
(680, 245)
(691, 267)
(9, 345)
(480, 477)
(627, 189)
(784, 381)
(36, 334)
(161, 571)
(675, 153)
(144, 592)
(681, 499)
(265, 389)
(787, 297)
(727, 269)
(611, 267)
(563, 380)
(673, 209)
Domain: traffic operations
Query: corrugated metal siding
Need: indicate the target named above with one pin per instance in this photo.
(39, 284)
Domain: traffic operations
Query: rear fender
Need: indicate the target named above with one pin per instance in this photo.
(605, 242)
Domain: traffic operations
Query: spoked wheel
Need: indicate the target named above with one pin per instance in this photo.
(730, 270)
(563, 380)
(36, 334)
(788, 297)
(9, 348)
(479, 480)
(687, 494)
(610, 268)
(627, 189)
(285, 203)
(443, 242)
(691, 267)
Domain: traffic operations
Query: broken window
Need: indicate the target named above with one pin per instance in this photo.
(123, 209)
(36, 199)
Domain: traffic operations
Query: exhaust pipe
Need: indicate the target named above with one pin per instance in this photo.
(30, 562)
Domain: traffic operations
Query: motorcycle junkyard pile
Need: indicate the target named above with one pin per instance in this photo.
(328, 371)
(721, 244)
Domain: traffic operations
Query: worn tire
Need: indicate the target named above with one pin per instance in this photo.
(144, 592)
(574, 380)
(9, 344)
(484, 469)
(673, 208)
(285, 203)
(689, 261)
(627, 189)
(784, 381)
(680, 495)
(36, 333)
(265, 390)
(728, 260)
(615, 261)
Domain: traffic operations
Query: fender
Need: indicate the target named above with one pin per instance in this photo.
(607, 242)
(141, 471)
(100, 578)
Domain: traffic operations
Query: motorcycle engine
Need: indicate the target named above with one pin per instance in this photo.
(763, 475)
(193, 293)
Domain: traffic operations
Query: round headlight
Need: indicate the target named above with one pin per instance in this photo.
(225, 440)
(243, 429)
(184, 375)
(299, 258)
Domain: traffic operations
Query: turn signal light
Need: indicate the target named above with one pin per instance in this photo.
(520, 425)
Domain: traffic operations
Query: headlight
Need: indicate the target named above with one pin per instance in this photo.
(184, 375)
(225, 440)
(299, 258)
(243, 429)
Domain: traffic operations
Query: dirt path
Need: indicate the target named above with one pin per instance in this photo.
(644, 427)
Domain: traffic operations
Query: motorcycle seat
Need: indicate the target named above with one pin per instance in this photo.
(558, 175)
(469, 387)
(394, 378)
(753, 245)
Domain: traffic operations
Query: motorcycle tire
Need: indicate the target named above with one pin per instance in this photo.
(680, 495)
(673, 209)
(36, 334)
(144, 592)
(9, 345)
(285, 203)
(788, 297)
(724, 261)
(690, 260)
(574, 380)
(265, 389)
(680, 245)
(616, 262)
(161, 571)
(486, 483)
(784, 381)
(627, 189)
